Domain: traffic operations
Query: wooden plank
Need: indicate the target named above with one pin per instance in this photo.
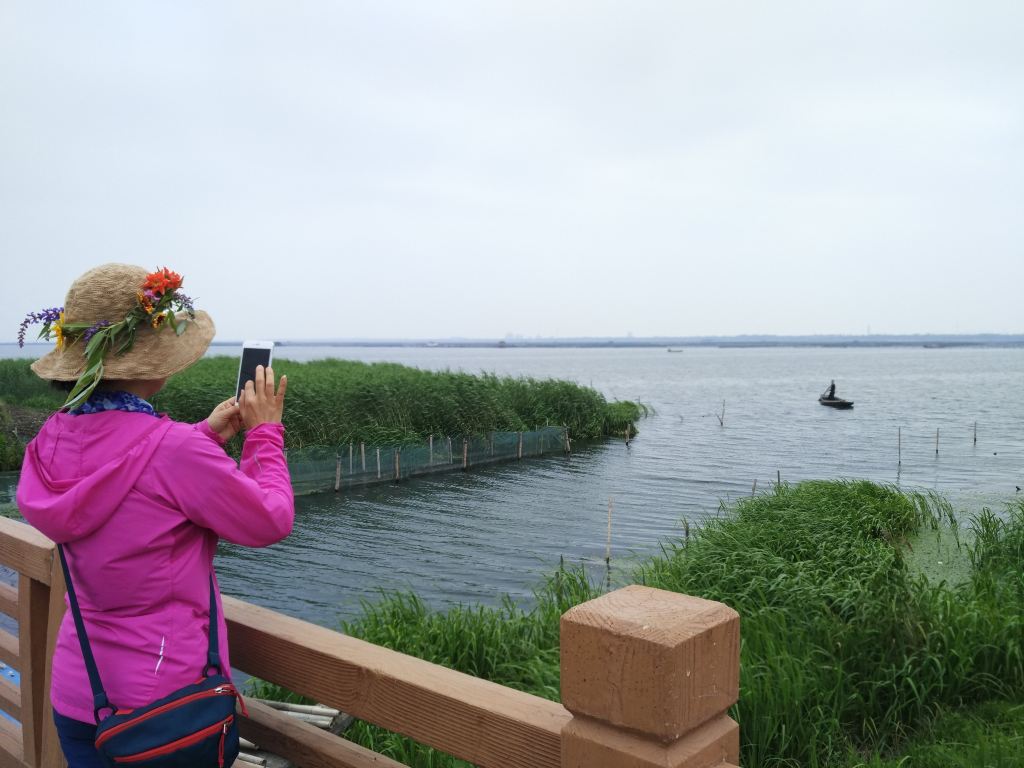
(476, 720)
(10, 744)
(305, 744)
(25, 549)
(9, 650)
(10, 698)
(9, 600)
(34, 602)
(53, 756)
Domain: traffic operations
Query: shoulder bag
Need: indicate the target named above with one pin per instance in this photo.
(194, 726)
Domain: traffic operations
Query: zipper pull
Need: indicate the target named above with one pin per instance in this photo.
(220, 750)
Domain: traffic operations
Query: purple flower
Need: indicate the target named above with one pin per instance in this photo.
(184, 302)
(90, 332)
(47, 316)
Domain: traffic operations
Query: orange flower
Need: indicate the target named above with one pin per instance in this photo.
(162, 281)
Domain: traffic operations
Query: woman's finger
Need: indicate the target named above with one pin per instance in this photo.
(260, 385)
(281, 387)
(270, 384)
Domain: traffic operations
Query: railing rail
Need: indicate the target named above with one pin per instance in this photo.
(647, 679)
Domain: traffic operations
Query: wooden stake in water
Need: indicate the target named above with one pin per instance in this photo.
(754, 489)
(721, 418)
(450, 459)
(465, 453)
(975, 433)
(350, 467)
(378, 463)
(686, 532)
(398, 466)
(936, 442)
(431, 449)
(362, 454)
(778, 477)
(519, 454)
(337, 473)
(608, 546)
(899, 445)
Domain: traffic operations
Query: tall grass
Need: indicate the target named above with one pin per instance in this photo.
(845, 653)
(334, 402)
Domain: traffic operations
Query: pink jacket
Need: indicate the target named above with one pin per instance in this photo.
(140, 503)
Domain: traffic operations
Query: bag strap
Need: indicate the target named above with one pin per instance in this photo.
(99, 696)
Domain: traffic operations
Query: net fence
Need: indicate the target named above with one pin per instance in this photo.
(353, 465)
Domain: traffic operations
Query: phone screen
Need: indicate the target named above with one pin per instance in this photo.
(251, 357)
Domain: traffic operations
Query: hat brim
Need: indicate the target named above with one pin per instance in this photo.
(156, 354)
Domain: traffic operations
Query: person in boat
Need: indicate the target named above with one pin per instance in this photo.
(830, 394)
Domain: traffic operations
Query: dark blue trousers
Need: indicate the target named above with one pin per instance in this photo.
(77, 740)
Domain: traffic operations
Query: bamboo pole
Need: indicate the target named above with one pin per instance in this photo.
(754, 489)
(337, 473)
(608, 546)
(520, 450)
(431, 442)
(362, 454)
(936, 441)
(378, 463)
(350, 467)
(778, 477)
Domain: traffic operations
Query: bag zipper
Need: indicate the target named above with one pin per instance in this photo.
(183, 742)
(218, 691)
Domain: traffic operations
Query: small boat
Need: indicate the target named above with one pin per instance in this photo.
(835, 402)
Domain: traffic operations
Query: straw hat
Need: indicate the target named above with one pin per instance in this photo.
(109, 293)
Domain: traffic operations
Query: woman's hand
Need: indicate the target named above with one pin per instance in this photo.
(226, 419)
(260, 404)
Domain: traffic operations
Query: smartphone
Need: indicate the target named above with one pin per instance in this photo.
(253, 353)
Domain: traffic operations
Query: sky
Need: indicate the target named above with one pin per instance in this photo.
(551, 168)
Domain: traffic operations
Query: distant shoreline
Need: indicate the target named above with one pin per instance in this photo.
(928, 341)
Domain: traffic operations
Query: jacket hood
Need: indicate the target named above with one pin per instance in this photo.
(78, 470)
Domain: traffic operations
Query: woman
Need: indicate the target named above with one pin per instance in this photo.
(139, 500)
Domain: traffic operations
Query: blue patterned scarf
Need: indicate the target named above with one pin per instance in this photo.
(100, 401)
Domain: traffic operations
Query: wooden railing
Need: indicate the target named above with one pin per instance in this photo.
(647, 678)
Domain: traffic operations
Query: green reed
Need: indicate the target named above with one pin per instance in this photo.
(335, 402)
(846, 651)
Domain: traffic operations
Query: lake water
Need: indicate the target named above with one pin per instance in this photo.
(475, 536)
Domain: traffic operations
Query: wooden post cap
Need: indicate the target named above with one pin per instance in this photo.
(657, 662)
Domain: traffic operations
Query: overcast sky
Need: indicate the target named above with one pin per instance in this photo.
(418, 170)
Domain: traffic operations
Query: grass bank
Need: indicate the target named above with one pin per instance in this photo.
(334, 402)
(850, 656)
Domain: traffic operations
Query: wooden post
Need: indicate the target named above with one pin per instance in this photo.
(975, 433)
(378, 463)
(337, 473)
(519, 452)
(398, 464)
(451, 459)
(686, 532)
(350, 467)
(465, 454)
(431, 450)
(778, 477)
(899, 445)
(362, 454)
(681, 658)
(754, 489)
(33, 611)
(565, 436)
(608, 546)
(52, 756)
(936, 441)
(491, 440)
